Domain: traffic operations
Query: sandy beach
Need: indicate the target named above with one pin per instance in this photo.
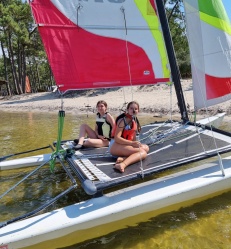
(156, 100)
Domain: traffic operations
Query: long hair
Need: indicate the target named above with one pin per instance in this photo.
(134, 117)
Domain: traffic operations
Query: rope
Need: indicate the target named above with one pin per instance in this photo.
(129, 67)
(197, 130)
(39, 209)
(77, 12)
(138, 139)
(24, 178)
(174, 132)
(171, 102)
(206, 110)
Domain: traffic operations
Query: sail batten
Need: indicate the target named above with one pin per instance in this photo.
(96, 27)
(109, 43)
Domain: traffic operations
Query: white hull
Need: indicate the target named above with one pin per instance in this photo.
(24, 162)
(215, 121)
(153, 195)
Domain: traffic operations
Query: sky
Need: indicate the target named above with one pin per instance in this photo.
(227, 4)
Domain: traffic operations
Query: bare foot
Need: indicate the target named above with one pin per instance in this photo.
(119, 160)
(120, 166)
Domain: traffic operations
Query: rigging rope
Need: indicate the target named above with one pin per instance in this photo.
(156, 137)
(130, 78)
(126, 33)
(138, 139)
(77, 12)
(211, 128)
(24, 178)
(171, 102)
(206, 110)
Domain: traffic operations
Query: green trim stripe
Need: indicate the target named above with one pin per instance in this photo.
(153, 23)
(216, 22)
(213, 13)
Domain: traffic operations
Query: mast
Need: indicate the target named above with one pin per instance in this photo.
(172, 59)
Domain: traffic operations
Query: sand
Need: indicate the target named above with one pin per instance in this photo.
(156, 100)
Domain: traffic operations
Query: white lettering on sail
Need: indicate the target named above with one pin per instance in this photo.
(146, 72)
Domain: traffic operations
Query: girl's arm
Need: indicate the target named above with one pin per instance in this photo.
(96, 130)
(110, 119)
(121, 140)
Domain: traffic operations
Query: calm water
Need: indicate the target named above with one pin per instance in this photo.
(202, 225)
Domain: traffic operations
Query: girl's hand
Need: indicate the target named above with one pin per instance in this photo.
(136, 144)
(102, 137)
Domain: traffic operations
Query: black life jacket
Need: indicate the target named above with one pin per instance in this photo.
(104, 128)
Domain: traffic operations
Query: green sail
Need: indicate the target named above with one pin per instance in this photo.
(214, 13)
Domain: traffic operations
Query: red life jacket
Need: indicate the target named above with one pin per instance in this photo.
(127, 133)
(131, 132)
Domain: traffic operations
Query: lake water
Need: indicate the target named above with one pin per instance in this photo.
(202, 225)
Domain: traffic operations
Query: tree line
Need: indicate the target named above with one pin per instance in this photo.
(22, 54)
(22, 50)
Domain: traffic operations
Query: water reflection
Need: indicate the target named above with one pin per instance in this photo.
(202, 225)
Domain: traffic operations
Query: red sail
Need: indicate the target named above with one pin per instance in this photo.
(81, 59)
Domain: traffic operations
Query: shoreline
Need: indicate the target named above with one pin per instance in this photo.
(156, 100)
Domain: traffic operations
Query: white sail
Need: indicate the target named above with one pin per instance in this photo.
(209, 35)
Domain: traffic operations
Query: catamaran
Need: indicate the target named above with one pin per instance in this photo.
(101, 44)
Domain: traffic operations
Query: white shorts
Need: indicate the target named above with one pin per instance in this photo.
(110, 144)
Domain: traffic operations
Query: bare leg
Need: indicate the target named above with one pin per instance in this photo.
(97, 143)
(133, 158)
(120, 166)
(120, 159)
(129, 153)
(145, 147)
(86, 130)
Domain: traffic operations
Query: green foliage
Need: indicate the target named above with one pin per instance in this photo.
(24, 53)
(20, 46)
(2, 76)
(178, 31)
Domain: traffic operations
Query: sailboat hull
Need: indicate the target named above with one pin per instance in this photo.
(114, 40)
(215, 121)
(25, 162)
(170, 191)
